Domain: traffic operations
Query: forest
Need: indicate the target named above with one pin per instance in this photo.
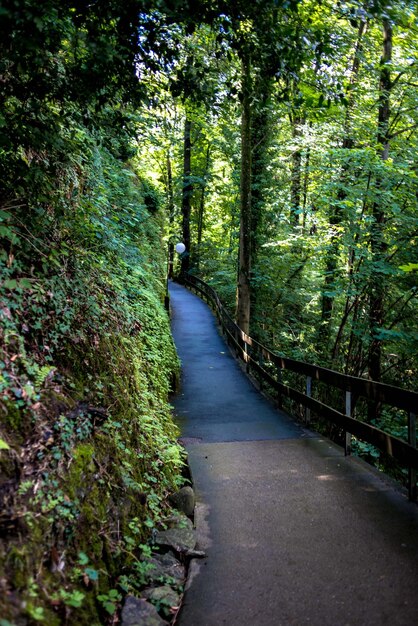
(278, 140)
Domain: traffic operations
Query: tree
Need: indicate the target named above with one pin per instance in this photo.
(336, 208)
(187, 194)
(377, 237)
(244, 262)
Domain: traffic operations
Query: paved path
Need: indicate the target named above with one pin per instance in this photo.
(294, 532)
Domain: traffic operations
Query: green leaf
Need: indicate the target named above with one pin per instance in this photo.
(110, 607)
(73, 598)
(25, 283)
(83, 559)
(409, 267)
(6, 232)
(4, 445)
(92, 573)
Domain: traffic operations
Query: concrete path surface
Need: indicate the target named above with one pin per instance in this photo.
(295, 533)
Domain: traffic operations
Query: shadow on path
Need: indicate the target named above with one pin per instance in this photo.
(294, 532)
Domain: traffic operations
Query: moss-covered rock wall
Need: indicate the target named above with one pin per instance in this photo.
(88, 447)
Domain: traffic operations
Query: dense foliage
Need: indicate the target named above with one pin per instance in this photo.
(333, 183)
(88, 449)
(302, 180)
(87, 362)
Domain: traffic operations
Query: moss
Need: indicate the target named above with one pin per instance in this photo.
(101, 481)
(9, 466)
(17, 565)
(81, 469)
(57, 402)
(88, 614)
(14, 419)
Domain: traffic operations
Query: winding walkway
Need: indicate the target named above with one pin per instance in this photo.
(294, 532)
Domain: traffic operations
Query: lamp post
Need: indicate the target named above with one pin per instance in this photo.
(180, 248)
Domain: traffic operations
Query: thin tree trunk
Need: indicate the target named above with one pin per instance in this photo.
(305, 186)
(377, 240)
(244, 268)
(260, 138)
(170, 207)
(296, 185)
(353, 298)
(187, 195)
(201, 213)
(336, 216)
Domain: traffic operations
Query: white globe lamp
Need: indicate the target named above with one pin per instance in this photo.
(180, 248)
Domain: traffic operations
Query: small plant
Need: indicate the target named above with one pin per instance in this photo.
(36, 613)
(24, 488)
(72, 598)
(110, 600)
(142, 570)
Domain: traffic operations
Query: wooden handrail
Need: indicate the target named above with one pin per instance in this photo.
(269, 365)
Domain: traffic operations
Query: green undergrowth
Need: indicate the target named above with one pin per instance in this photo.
(88, 448)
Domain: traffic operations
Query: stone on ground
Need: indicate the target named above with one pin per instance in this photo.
(139, 612)
(164, 595)
(165, 565)
(184, 500)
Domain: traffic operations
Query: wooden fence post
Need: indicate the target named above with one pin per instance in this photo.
(260, 362)
(309, 394)
(347, 443)
(412, 440)
(247, 362)
(279, 391)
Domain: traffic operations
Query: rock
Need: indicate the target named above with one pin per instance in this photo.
(181, 539)
(139, 612)
(196, 554)
(165, 596)
(164, 565)
(178, 521)
(184, 500)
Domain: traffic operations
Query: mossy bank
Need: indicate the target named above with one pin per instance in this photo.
(89, 451)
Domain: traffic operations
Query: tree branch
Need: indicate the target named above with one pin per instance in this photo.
(403, 130)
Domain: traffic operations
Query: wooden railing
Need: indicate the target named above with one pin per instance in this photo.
(269, 366)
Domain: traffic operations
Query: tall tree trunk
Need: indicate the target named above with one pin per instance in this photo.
(244, 266)
(201, 212)
(305, 185)
(261, 123)
(336, 214)
(296, 176)
(187, 194)
(377, 240)
(260, 127)
(170, 208)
